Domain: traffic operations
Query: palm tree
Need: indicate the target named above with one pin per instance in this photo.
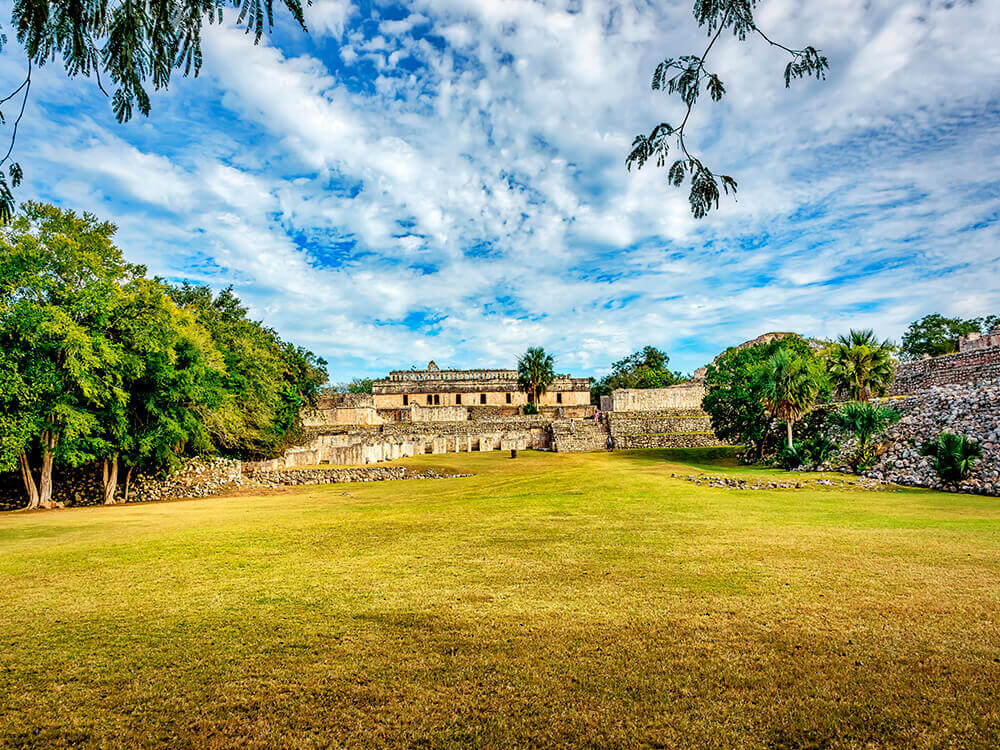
(789, 386)
(860, 365)
(864, 421)
(535, 373)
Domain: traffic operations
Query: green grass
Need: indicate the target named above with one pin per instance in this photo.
(556, 599)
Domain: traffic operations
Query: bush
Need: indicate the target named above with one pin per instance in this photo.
(864, 421)
(793, 456)
(531, 408)
(953, 455)
(819, 448)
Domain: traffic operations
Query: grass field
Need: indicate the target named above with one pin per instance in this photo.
(586, 599)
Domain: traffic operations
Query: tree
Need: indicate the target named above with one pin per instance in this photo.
(172, 376)
(860, 366)
(646, 368)
(733, 393)
(132, 45)
(789, 386)
(864, 421)
(934, 335)
(953, 455)
(60, 279)
(535, 373)
(687, 76)
(266, 381)
(358, 385)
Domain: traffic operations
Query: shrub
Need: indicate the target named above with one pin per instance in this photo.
(531, 408)
(819, 448)
(953, 455)
(863, 421)
(793, 456)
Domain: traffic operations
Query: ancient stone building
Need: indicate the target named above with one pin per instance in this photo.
(473, 388)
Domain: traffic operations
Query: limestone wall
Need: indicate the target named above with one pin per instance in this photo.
(961, 368)
(664, 428)
(682, 396)
(579, 435)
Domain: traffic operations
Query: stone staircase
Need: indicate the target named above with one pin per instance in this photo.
(579, 435)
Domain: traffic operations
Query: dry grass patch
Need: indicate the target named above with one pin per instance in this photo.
(549, 600)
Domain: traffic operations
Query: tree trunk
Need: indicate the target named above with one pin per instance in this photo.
(49, 442)
(788, 424)
(109, 474)
(29, 480)
(128, 479)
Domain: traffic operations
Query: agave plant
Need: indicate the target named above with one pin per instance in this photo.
(953, 455)
(864, 421)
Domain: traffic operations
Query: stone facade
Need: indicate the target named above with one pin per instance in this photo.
(467, 388)
(974, 341)
(682, 396)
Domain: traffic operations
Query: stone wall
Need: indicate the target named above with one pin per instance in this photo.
(961, 368)
(82, 485)
(663, 428)
(579, 435)
(682, 396)
(972, 410)
(365, 445)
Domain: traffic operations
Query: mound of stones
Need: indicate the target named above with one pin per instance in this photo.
(741, 483)
(971, 410)
(292, 477)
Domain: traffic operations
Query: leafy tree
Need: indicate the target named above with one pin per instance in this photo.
(860, 366)
(172, 375)
(646, 368)
(864, 421)
(131, 45)
(733, 393)
(789, 385)
(535, 372)
(688, 77)
(935, 334)
(60, 278)
(953, 455)
(358, 385)
(266, 381)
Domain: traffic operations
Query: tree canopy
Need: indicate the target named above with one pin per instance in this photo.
(934, 335)
(645, 368)
(535, 372)
(735, 397)
(687, 77)
(861, 366)
(789, 385)
(100, 363)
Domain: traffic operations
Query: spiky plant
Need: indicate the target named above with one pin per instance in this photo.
(953, 455)
(860, 365)
(863, 421)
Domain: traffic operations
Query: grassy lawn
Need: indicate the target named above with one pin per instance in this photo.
(583, 599)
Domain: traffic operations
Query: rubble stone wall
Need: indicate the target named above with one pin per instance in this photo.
(960, 368)
(971, 410)
(82, 485)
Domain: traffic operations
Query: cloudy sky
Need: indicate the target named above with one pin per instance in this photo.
(444, 179)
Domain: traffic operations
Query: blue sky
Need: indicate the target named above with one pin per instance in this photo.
(445, 180)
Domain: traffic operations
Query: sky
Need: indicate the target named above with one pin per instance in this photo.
(445, 179)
